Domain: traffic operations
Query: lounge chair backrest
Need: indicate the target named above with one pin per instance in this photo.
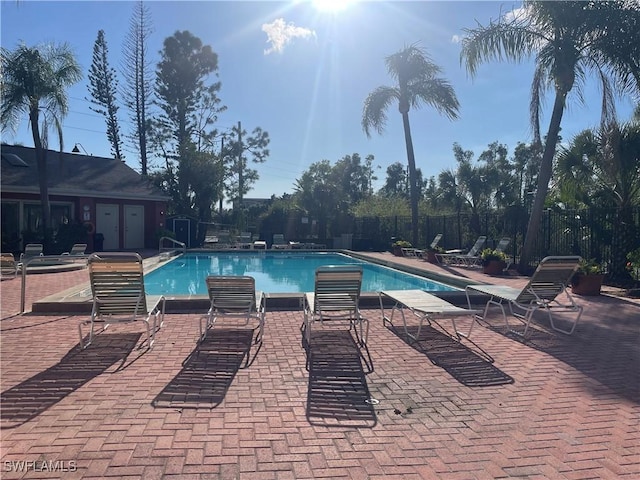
(117, 284)
(31, 250)
(477, 246)
(78, 249)
(503, 244)
(550, 278)
(436, 241)
(337, 287)
(231, 293)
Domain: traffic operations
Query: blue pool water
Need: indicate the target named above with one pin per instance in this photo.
(276, 272)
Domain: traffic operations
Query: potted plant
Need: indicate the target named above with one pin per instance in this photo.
(398, 245)
(588, 278)
(430, 254)
(493, 261)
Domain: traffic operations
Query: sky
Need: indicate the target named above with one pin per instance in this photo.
(302, 71)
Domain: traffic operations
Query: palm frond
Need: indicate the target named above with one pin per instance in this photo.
(375, 106)
(439, 94)
(500, 41)
(410, 64)
(535, 104)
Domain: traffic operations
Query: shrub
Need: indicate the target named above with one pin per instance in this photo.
(489, 254)
(590, 267)
(402, 244)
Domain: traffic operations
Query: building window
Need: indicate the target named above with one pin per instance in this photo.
(10, 226)
(60, 215)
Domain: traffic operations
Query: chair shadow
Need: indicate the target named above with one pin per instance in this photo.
(209, 370)
(466, 366)
(605, 350)
(338, 393)
(33, 396)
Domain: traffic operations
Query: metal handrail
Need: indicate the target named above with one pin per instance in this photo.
(176, 242)
(40, 259)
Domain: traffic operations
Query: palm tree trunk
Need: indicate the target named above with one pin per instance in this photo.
(413, 188)
(546, 167)
(43, 178)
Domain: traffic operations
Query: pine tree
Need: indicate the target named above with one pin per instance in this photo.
(137, 74)
(103, 87)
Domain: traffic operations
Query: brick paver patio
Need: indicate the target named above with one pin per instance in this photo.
(554, 406)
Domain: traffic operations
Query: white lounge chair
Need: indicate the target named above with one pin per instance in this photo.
(548, 282)
(233, 296)
(31, 250)
(468, 259)
(336, 296)
(425, 307)
(243, 241)
(430, 252)
(436, 240)
(117, 287)
(78, 249)
(279, 242)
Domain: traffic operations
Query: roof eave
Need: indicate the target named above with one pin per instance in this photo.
(87, 193)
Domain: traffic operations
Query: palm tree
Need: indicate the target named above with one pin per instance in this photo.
(34, 81)
(568, 39)
(603, 168)
(418, 82)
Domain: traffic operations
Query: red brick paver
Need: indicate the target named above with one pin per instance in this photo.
(554, 406)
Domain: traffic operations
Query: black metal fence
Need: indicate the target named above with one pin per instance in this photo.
(606, 235)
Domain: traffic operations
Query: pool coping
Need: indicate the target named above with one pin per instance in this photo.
(71, 300)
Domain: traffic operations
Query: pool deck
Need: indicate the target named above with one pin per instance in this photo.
(553, 406)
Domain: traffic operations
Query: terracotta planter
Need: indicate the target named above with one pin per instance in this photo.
(430, 257)
(494, 267)
(587, 284)
(397, 251)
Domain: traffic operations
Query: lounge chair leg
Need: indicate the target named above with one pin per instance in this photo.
(149, 341)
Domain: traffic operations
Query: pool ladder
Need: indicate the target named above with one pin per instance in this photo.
(167, 252)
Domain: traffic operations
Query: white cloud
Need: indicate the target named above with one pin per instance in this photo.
(456, 39)
(279, 34)
(517, 14)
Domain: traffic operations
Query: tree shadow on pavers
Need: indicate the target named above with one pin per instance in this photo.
(605, 348)
(466, 366)
(451, 270)
(9, 326)
(338, 394)
(33, 396)
(209, 370)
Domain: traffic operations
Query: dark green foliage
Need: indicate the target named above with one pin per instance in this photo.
(137, 73)
(103, 88)
(183, 135)
(570, 42)
(240, 148)
(69, 234)
(32, 79)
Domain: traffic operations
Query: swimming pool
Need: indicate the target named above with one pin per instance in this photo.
(274, 272)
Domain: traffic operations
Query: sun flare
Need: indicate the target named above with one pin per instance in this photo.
(331, 5)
